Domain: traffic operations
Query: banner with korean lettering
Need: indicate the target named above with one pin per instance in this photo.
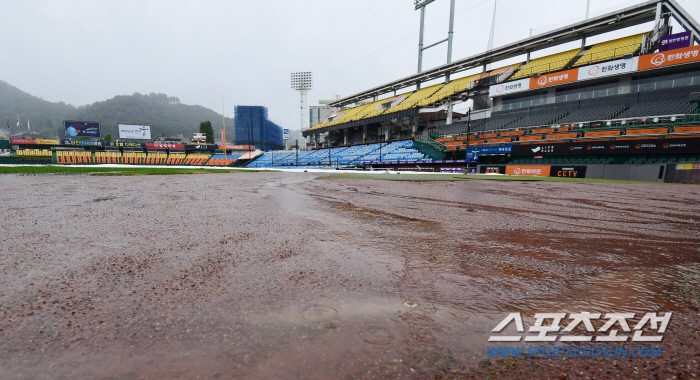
(82, 143)
(165, 146)
(554, 78)
(501, 149)
(619, 146)
(616, 67)
(124, 145)
(669, 58)
(22, 141)
(238, 147)
(675, 41)
(492, 169)
(509, 87)
(528, 170)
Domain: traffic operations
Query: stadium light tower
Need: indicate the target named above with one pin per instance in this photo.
(301, 81)
(421, 4)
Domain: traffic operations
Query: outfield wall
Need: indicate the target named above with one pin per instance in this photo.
(670, 173)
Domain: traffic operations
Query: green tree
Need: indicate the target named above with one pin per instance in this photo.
(108, 138)
(205, 127)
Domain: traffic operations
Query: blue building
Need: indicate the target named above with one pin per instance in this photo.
(254, 128)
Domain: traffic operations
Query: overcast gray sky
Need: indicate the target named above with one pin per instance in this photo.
(86, 51)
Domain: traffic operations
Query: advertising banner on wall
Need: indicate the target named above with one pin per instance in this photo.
(165, 146)
(669, 58)
(238, 147)
(81, 143)
(616, 67)
(492, 169)
(552, 79)
(36, 141)
(528, 170)
(501, 149)
(124, 145)
(646, 146)
(22, 141)
(136, 132)
(81, 128)
(201, 146)
(509, 87)
(568, 171)
(675, 41)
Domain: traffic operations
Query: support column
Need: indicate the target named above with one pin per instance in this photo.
(345, 137)
(625, 84)
(420, 41)
(364, 134)
(449, 112)
(583, 42)
(657, 18)
(551, 94)
(450, 33)
(386, 133)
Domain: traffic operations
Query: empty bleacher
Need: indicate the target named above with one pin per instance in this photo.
(546, 64)
(339, 157)
(34, 153)
(221, 160)
(660, 108)
(417, 98)
(609, 50)
(537, 120)
(592, 114)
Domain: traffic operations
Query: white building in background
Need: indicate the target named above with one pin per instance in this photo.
(319, 114)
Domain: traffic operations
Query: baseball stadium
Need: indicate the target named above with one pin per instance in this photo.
(530, 211)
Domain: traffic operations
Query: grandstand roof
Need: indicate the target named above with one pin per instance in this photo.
(619, 19)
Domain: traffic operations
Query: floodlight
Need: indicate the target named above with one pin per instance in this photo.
(302, 82)
(422, 3)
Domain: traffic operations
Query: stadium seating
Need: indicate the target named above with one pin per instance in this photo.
(34, 153)
(610, 50)
(455, 86)
(416, 99)
(537, 120)
(73, 157)
(546, 64)
(83, 157)
(339, 157)
(660, 108)
(453, 129)
(196, 159)
(592, 114)
(221, 160)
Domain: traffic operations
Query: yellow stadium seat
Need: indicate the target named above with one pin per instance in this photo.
(546, 64)
(610, 50)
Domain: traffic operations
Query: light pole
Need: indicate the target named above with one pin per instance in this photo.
(421, 4)
(302, 82)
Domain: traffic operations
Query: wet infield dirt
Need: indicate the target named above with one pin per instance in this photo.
(294, 275)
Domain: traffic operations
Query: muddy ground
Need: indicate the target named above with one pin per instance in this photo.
(282, 276)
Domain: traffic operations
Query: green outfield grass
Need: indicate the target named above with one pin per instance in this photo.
(34, 170)
(468, 177)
